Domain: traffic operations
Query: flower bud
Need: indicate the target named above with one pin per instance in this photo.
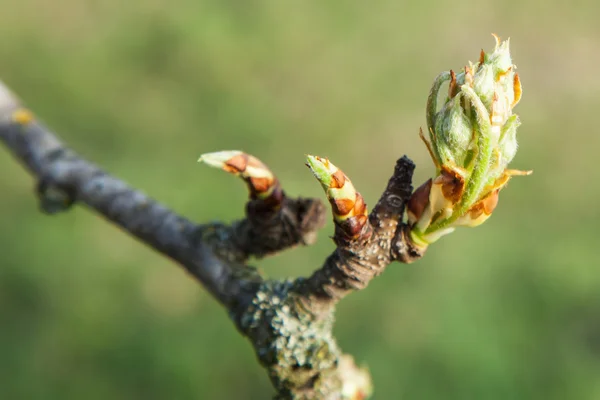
(453, 133)
(472, 139)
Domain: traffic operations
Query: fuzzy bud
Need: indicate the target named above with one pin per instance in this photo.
(472, 139)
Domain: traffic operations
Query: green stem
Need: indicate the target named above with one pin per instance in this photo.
(431, 109)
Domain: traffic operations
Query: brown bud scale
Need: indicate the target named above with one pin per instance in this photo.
(518, 90)
(485, 206)
(338, 179)
(342, 207)
(237, 163)
(453, 87)
(453, 184)
(353, 226)
(419, 200)
(261, 185)
(359, 205)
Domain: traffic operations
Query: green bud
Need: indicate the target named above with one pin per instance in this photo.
(347, 205)
(453, 132)
(484, 84)
(472, 141)
(508, 140)
(322, 169)
(500, 59)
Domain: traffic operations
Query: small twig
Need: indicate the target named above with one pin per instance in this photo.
(211, 253)
(355, 262)
(289, 323)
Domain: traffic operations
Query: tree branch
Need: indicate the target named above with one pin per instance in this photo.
(356, 261)
(211, 253)
(288, 322)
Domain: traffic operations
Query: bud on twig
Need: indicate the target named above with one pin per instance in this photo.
(348, 206)
(472, 138)
(262, 184)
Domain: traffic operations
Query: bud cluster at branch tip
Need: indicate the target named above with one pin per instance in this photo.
(348, 206)
(262, 183)
(472, 139)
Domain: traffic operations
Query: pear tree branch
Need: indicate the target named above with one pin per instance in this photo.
(289, 322)
(212, 253)
(472, 139)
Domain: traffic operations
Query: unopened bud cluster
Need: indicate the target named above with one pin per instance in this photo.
(472, 139)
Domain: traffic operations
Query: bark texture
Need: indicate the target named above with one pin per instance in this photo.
(289, 323)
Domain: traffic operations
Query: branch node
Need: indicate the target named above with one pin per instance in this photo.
(54, 198)
(403, 248)
(267, 231)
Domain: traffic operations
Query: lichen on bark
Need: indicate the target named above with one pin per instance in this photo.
(298, 348)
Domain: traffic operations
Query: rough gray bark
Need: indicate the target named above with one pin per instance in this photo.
(289, 323)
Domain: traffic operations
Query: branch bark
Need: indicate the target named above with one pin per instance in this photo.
(211, 253)
(354, 263)
(288, 322)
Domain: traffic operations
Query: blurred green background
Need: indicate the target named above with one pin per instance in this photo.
(510, 310)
